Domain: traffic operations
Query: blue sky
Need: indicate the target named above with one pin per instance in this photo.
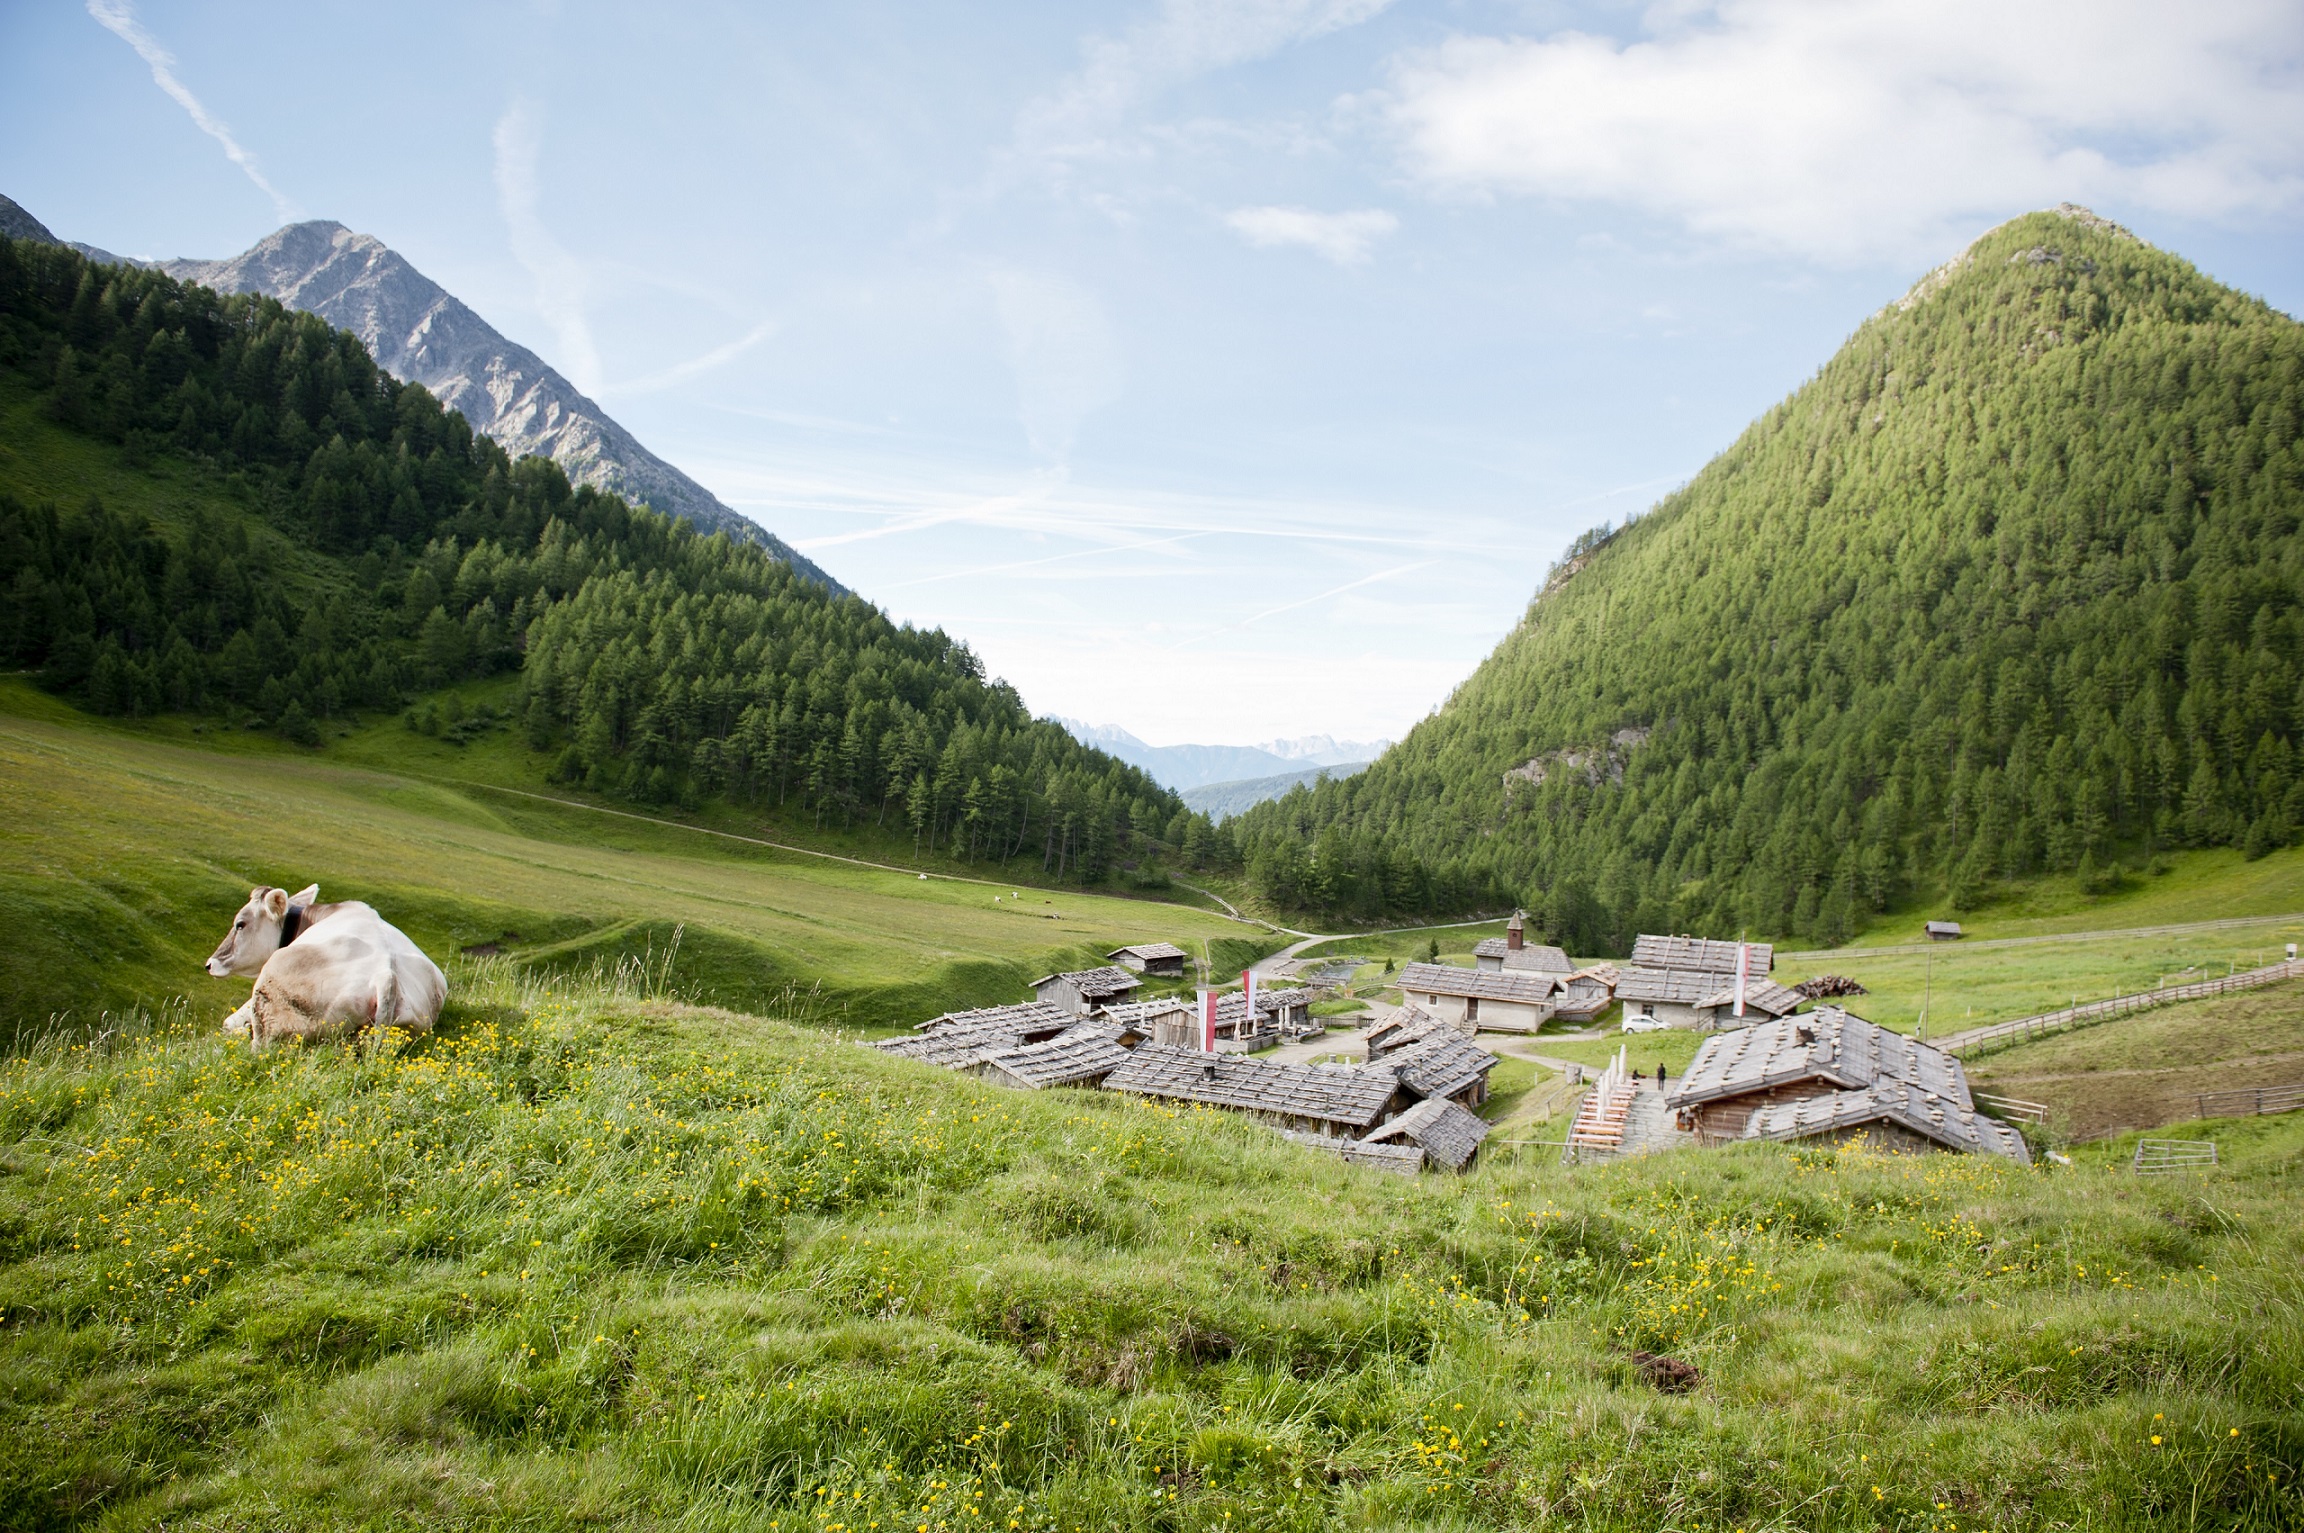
(1222, 371)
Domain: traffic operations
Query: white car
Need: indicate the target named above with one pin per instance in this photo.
(1643, 1025)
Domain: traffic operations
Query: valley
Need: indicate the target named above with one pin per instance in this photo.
(1997, 618)
(125, 854)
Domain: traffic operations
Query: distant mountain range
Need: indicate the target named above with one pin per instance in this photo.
(1222, 800)
(1184, 767)
(421, 333)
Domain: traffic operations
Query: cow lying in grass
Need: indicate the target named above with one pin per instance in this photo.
(324, 970)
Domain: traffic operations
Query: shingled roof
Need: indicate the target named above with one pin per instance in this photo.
(1534, 955)
(1410, 1024)
(1439, 1066)
(1105, 980)
(1044, 1016)
(954, 1048)
(1698, 953)
(1150, 950)
(1083, 1056)
(1679, 987)
(1448, 1135)
(961, 1040)
(1764, 996)
(1526, 986)
(1142, 1014)
(1953, 1123)
(1231, 1006)
(1401, 1159)
(1352, 1098)
(1829, 1044)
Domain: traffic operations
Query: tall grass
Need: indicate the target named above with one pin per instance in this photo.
(592, 1256)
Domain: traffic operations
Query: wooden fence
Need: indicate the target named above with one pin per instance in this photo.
(2246, 1102)
(2010, 1109)
(2001, 1035)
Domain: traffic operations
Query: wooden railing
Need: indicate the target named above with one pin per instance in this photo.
(2001, 1035)
(2246, 1102)
(2010, 1109)
(1599, 1124)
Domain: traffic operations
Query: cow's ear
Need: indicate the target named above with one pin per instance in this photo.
(276, 902)
(308, 895)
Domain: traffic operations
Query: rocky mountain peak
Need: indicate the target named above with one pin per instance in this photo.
(419, 332)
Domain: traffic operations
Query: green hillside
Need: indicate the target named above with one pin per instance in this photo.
(215, 506)
(124, 854)
(584, 1259)
(2010, 590)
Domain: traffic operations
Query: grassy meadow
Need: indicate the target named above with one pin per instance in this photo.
(590, 1257)
(2140, 1071)
(125, 852)
(1961, 985)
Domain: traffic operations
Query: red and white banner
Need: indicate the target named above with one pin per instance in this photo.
(1743, 962)
(1207, 1021)
(1248, 1000)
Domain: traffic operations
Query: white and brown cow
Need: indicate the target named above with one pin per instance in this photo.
(324, 970)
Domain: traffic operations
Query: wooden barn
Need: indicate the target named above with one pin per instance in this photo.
(1832, 1075)
(1162, 960)
(1085, 990)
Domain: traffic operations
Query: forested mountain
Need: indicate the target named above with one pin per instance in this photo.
(2011, 585)
(392, 548)
(1220, 801)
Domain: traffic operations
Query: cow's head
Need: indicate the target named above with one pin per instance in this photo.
(255, 933)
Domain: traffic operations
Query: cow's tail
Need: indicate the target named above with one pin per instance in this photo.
(388, 998)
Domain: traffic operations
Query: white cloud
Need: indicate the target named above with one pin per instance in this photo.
(1063, 353)
(1341, 237)
(1860, 128)
(119, 18)
(561, 284)
(1186, 39)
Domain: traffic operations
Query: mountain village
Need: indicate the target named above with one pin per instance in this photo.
(477, 892)
(1404, 1095)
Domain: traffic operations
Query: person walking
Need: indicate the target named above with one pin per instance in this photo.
(1659, 1075)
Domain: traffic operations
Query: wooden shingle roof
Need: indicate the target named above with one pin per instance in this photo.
(1955, 1124)
(1698, 953)
(1535, 955)
(954, 1048)
(1026, 1016)
(1105, 980)
(1142, 1014)
(1410, 1024)
(1352, 1098)
(961, 1040)
(1448, 1135)
(1830, 1045)
(1525, 986)
(1231, 1007)
(1082, 1056)
(1439, 1066)
(1680, 987)
(1149, 950)
(1763, 997)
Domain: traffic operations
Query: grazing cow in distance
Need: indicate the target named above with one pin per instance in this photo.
(324, 970)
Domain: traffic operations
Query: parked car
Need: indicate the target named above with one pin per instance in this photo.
(1644, 1025)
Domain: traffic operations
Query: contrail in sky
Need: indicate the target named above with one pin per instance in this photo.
(119, 18)
(1349, 585)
